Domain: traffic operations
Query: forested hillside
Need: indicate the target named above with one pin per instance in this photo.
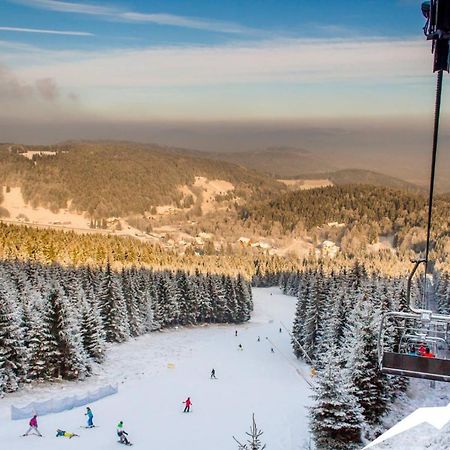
(360, 176)
(116, 179)
(365, 212)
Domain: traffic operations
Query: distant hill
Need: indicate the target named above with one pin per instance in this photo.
(279, 162)
(360, 176)
(116, 178)
(298, 163)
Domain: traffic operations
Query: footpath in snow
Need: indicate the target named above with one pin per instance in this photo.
(158, 371)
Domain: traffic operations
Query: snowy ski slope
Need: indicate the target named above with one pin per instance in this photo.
(151, 393)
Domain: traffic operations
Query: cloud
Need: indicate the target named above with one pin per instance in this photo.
(47, 88)
(70, 7)
(296, 61)
(15, 89)
(11, 87)
(112, 13)
(40, 31)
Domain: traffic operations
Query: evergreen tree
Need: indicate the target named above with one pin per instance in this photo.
(13, 353)
(369, 384)
(336, 415)
(113, 308)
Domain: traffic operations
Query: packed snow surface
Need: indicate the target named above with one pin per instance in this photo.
(157, 372)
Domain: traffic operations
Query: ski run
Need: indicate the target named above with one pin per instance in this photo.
(157, 372)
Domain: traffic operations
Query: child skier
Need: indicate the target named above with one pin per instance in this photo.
(33, 427)
(188, 403)
(122, 434)
(90, 416)
(63, 433)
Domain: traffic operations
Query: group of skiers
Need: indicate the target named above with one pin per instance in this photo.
(122, 434)
(34, 429)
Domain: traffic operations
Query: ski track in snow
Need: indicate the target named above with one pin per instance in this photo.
(151, 394)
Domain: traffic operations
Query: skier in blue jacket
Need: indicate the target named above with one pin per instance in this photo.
(90, 416)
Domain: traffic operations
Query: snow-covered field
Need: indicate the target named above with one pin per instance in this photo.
(151, 392)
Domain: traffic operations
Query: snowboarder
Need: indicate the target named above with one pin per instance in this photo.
(122, 434)
(90, 416)
(240, 347)
(33, 426)
(188, 403)
(63, 433)
(235, 333)
(213, 374)
(259, 338)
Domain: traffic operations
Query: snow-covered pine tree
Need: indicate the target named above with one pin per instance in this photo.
(218, 299)
(335, 418)
(187, 300)
(244, 300)
(298, 330)
(72, 360)
(370, 385)
(315, 308)
(113, 309)
(132, 295)
(166, 307)
(231, 300)
(92, 333)
(13, 353)
(203, 292)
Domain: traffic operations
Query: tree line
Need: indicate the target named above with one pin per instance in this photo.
(55, 321)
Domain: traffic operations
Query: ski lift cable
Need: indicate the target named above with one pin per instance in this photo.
(299, 372)
(437, 113)
(298, 343)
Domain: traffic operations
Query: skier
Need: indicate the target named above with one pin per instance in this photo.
(188, 403)
(240, 347)
(280, 330)
(90, 416)
(213, 374)
(122, 434)
(272, 350)
(63, 433)
(259, 338)
(235, 333)
(33, 426)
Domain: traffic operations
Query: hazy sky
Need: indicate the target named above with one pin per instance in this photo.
(141, 68)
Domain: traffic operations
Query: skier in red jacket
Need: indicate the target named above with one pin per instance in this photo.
(188, 404)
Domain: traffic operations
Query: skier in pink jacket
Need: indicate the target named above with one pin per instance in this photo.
(33, 426)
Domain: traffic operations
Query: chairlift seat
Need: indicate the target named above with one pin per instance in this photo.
(416, 366)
